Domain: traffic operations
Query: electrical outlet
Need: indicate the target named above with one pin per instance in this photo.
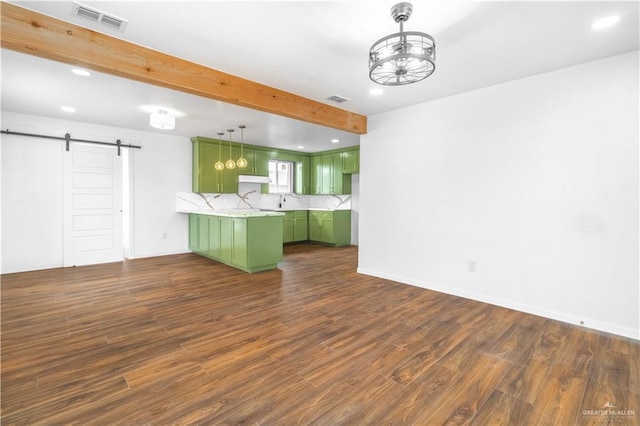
(471, 265)
(164, 235)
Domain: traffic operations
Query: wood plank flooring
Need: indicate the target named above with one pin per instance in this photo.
(185, 340)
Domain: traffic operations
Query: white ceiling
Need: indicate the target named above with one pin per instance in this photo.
(313, 49)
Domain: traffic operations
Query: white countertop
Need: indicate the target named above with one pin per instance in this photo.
(234, 212)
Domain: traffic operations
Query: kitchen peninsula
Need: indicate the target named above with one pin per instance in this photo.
(245, 239)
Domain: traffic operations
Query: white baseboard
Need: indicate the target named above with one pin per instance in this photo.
(156, 254)
(510, 304)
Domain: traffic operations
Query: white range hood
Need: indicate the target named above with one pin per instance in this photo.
(252, 179)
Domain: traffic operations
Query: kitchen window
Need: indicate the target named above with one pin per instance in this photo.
(280, 177)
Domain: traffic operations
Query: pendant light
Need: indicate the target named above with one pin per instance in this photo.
(219, 166)
(242, 162)
(230, 164)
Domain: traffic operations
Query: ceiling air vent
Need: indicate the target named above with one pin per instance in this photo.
(99, 16)
(337, 99)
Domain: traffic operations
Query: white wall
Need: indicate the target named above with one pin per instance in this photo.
(32, 190)
(535, 180)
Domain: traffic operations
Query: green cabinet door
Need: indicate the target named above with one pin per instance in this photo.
(302, 179)
(226, 239)
(260, 163)
(287, 227)
(300, 226)
(351, 162)
(206, 152)
(214, 236)
(239, 242)
(229, 177)
(203, 233)
(327, 174)
(315, 225)
(332, 227)
(193, 232)
(326, 227)
(316, 175)
(205, 177)
(257, 161)
(338, 179)
(247, 153)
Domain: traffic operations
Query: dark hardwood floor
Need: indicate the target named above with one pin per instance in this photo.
(185, 340)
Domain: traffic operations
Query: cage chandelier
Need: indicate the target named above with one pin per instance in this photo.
(402, 58)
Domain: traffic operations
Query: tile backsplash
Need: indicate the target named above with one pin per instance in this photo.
(249, 197)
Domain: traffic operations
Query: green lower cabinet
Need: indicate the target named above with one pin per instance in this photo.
(251, 244)
(239, 249)
(287, 227)
(193, 232)
(295, 226)
(300, 225)
(225, 238)
(214, 236)
(203, 233)
(330, 227)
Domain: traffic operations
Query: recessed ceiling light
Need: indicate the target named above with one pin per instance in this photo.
(68, 109)
(300, 147)
(376, 92)
(335, 140)
(83, 73)
(605, 22)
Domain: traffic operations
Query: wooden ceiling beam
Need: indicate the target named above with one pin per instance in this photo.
(32, 33)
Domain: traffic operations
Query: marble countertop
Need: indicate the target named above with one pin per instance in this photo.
(235, 212)
(253, 212)
(285, 209)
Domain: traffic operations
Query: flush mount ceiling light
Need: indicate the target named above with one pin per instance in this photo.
(162, 120)
(402, 58)
(605, 22)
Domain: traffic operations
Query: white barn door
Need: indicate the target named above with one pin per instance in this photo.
(92, 186)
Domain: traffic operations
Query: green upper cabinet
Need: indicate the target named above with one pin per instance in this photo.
(302, 179)
(338, 179)
(351, 162)
(257, 162)
(205, 177)
(316, 175)
(327, 174)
